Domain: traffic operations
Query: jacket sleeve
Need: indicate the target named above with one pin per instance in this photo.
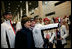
(3, 37)
(66, 33)
(49, 26)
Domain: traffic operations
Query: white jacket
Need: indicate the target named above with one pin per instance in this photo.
(64, 34)
(37, 33)
(7, 29)
(18, 26)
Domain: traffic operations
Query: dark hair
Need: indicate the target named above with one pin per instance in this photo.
(24, 20)
(36, 17)
(31, 19)
(7, 12)
(53, 19)
(40, 18)
(24, 15)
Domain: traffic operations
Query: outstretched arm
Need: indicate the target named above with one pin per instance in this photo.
(49, 26)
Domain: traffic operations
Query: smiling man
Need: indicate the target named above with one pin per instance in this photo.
(7, 32)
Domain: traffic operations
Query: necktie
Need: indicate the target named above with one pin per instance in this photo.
(12, 27)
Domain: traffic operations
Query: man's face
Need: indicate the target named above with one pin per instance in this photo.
(8, 16)
(37, 20)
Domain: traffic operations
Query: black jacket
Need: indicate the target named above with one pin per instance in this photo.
(24, 39)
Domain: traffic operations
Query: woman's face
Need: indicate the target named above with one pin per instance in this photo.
(27, 24)
(32, 23)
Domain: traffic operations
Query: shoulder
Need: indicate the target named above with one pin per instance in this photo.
(63, 26)
(18, 23)
(20, 32)
(38, 25)
(3, 24)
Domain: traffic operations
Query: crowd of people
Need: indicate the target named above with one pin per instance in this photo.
(34, 32)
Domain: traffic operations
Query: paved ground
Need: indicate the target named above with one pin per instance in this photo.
(68, 44)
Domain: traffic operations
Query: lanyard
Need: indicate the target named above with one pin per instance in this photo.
(12, 27)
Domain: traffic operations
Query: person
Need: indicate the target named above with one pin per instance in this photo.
(48, 35)
(37, 35)
(66, 19)
(7, 31)
(32, 23)
(40, 20)
(61, 34)
(46, 21)
(24, 37)
(36, 19)
(18, 25)
(14, 25)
